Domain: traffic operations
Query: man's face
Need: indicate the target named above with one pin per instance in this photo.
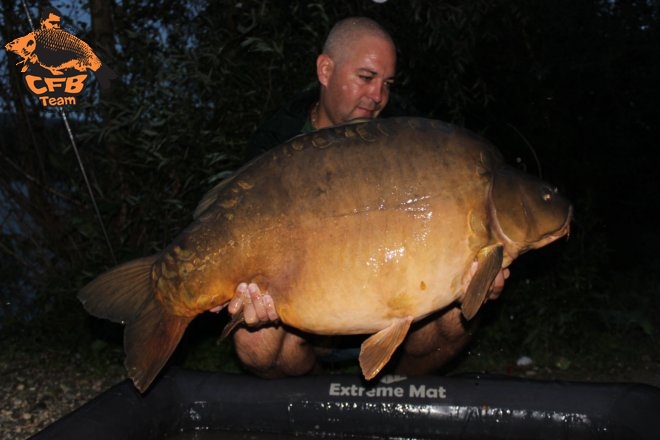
(356, 84)
(53, 22)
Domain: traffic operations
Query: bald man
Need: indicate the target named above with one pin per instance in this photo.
(355, 72)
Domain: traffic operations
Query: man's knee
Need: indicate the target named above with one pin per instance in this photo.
(434, 343)
(273, 352)
(258, 349)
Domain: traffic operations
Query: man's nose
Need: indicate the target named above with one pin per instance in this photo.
(377, 91)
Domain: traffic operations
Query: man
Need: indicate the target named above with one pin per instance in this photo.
(50, 18)
(355, 72)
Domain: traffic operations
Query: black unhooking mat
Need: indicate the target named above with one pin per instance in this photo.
(343, 406)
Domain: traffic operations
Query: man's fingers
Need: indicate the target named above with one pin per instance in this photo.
(270, 308)
(256, 302)
(263, 304)
(498, 283)
(236, 303)
(257, 307)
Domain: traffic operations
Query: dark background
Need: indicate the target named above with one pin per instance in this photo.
(565, 89)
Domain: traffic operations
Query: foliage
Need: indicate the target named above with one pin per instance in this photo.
(196, 78)
(565, 306)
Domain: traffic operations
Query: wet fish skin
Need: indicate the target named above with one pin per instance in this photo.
(357, 229)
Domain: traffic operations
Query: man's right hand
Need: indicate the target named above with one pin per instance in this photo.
(257, 307)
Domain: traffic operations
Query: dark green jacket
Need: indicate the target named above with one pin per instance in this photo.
(290, 120)
(286, 123)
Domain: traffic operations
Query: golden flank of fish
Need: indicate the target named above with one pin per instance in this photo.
(356, 229)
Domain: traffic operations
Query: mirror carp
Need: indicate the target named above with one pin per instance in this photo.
(361, 228)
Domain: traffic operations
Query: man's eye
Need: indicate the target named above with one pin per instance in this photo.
(366, 78)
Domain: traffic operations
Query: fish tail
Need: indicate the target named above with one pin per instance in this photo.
(120, 293)
(149, 342)
(125, 295)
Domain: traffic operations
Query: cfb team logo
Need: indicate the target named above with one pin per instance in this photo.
(56, 63)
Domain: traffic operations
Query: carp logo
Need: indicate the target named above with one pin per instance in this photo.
(56, 63)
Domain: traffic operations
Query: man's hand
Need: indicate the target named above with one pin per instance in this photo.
(257, 307)
(269, 351)
(498, 283)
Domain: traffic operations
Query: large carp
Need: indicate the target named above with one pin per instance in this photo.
(357, 229)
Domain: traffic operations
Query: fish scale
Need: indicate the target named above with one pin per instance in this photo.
(358, 229)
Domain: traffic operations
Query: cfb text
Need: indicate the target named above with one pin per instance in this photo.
(63, 88)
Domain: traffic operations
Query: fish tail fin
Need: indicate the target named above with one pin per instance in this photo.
(124, 294)
(149, 341)
(120, 293)
(103, 75)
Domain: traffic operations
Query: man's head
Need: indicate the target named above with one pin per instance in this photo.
(50, 18)
(355, 69)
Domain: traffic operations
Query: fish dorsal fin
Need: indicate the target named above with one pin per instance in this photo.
(209, 198)
(377, 350)
(489, 263)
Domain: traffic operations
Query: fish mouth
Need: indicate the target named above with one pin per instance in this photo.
(564, 230)
(513, 250)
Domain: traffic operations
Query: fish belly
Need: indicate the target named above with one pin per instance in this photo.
(346, 237)
(364, 271)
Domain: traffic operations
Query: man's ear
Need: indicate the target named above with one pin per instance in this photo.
(324, 68)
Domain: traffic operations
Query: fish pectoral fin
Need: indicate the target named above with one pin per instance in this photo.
(489, 263)
(236, 320)
(377, 350)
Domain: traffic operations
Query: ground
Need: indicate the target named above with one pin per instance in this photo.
(43, 382)
(40, 387)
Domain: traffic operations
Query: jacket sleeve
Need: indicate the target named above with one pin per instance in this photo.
(278, 129)
(286, 123)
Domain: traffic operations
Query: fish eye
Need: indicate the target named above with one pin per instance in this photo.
(548, 193)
